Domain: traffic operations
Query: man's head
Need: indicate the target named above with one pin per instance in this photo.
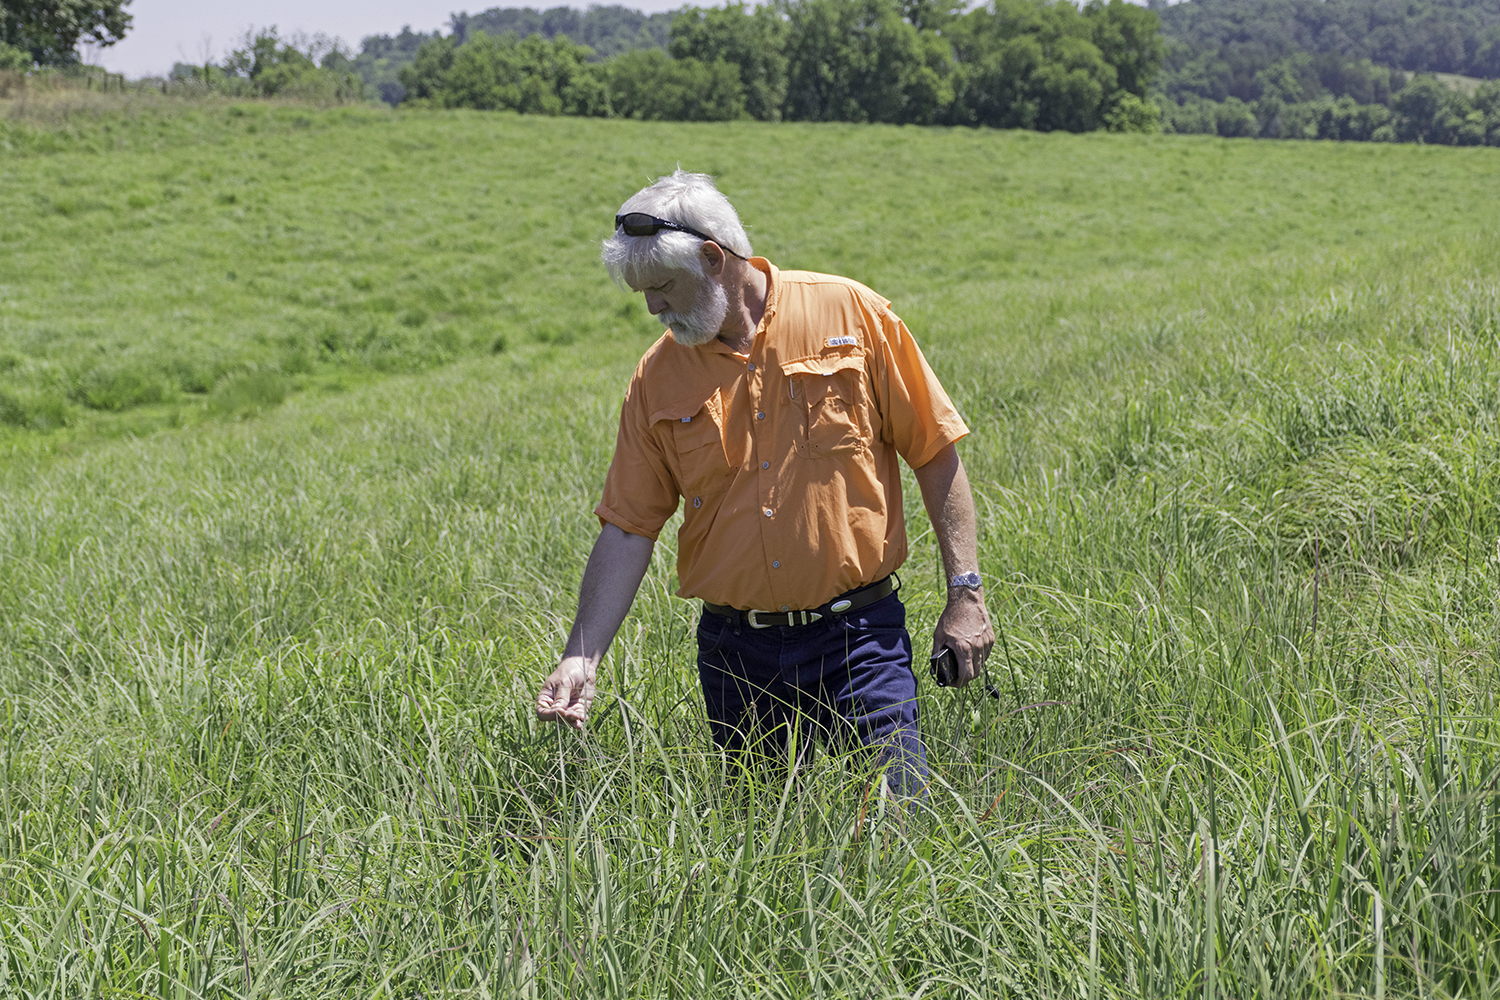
(681, 274)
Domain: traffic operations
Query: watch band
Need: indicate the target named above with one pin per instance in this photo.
(969, 579)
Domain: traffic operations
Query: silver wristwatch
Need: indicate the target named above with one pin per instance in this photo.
(969, 579)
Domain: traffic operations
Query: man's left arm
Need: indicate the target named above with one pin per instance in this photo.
(964, 625)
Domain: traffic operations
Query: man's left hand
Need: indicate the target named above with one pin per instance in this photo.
(964, 627)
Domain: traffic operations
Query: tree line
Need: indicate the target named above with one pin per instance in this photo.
(1265, 68)
(266, 64)
(1331, 69)
(1423, 109)
(1013, 64)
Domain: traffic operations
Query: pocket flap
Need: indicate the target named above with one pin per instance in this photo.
(823, 364)
(686, 411)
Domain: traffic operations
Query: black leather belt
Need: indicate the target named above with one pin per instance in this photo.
(843, 604)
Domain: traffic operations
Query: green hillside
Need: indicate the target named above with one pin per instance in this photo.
(270, 630)
(157, 258)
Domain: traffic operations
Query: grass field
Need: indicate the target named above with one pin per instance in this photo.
(306, 414)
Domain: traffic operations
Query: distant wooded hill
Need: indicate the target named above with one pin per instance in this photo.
(1331, 69)
(1418, 36)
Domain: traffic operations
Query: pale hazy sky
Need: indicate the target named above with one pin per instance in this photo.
(168, 31)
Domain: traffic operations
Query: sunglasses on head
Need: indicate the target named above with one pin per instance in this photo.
(641, 224)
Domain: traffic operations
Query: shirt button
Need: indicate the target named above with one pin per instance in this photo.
(765, 465)
(776, 564)
(785, 608)
(768, 512)
(752, 366)
(761, 415)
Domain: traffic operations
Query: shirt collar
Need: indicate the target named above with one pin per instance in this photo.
(773, 284)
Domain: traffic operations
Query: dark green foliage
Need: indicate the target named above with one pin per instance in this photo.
(1020, 63)
(530, 75)
(1428, 111)
(381, 58)
(1191, 72)
(50, 30)
(753, 40)
(427, 75)
(1434, 36)
(13, 58)
(605, 31)
(1424, 110)
(1129, 38)
(1052, 66)
(859, 60)
(647, 85)
(1330, 70)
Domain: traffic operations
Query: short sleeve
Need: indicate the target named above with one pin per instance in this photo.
(639, 493)
(918, 418)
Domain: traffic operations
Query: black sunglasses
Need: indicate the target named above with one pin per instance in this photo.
(641, 224)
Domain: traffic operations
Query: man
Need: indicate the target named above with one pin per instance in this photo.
(775, 406)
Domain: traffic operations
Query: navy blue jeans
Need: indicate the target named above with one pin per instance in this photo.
(847, 679)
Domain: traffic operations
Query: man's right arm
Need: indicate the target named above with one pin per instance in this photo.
(613, 575)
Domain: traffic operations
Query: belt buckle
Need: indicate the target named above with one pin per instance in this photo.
(808, 617)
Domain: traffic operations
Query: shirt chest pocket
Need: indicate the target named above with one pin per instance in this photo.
(696, 435)
(832, 393)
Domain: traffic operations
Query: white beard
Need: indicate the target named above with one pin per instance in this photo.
(704, 320)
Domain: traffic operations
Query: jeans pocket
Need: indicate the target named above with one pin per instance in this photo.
(886, 615)
(712, 629)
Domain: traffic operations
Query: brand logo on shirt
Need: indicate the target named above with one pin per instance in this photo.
(842, 341)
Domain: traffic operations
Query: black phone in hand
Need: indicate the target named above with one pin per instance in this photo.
(944, 668)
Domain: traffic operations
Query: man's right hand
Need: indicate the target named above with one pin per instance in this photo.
(567, 693)
(610, 580)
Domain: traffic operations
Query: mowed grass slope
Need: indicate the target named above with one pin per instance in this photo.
(267, 681)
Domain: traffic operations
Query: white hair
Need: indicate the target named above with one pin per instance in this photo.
(690, 200)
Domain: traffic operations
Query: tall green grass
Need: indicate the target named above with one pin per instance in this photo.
(161, 253)
(266, 683)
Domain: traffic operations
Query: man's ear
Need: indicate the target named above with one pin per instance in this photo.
(714, 256)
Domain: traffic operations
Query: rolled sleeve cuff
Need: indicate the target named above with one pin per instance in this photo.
(948, 432)
(608, 515)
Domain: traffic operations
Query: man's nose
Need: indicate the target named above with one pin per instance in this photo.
(656, 303)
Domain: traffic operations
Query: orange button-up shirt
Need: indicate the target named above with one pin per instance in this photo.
(786, 456)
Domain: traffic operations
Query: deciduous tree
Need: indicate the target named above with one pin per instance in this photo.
(51, 30)
(753, 39)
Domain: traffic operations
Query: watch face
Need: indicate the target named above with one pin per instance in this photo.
(965, 580)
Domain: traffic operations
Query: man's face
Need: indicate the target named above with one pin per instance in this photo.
(693, 306)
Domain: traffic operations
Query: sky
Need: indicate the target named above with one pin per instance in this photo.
(169, 31)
